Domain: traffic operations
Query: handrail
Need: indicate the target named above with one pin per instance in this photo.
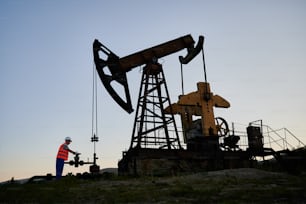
(271, 137)
(300, 142)
(274, 137)
(285, 138)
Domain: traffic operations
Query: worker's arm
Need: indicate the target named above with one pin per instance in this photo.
(69, 150)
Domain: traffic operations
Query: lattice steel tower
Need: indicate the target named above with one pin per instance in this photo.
(152, 127)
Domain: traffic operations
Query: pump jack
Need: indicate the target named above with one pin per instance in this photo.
(154, 110)
(153, 149)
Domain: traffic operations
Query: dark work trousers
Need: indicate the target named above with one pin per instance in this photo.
(59, 167)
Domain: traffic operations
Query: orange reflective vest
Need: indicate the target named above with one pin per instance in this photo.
(62, 153)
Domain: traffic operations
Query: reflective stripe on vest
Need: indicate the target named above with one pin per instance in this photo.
(62, 153)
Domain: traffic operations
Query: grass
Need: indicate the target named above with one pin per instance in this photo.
(224, 187)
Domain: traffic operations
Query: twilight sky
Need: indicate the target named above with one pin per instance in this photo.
(255, 54)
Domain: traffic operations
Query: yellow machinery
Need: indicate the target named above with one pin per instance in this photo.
(200, 103)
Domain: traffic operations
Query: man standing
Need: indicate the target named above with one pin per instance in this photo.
(62, 156)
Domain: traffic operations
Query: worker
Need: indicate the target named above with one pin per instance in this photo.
(62, 156)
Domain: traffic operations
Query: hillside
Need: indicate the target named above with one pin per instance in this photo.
(226, 186)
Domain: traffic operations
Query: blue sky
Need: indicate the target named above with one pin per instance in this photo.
(255, 55)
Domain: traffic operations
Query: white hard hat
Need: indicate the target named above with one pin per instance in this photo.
(68, 139)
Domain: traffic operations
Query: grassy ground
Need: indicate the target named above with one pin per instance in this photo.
(227, 186)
